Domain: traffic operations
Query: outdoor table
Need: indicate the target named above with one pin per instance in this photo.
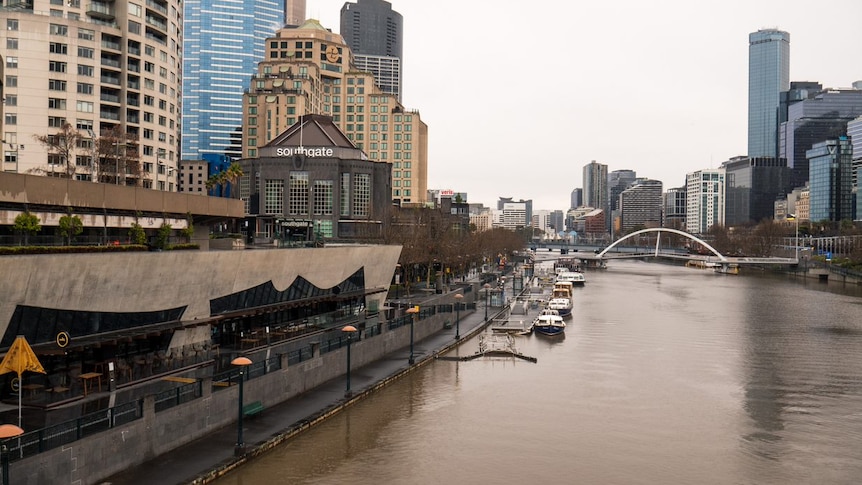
(88, 377)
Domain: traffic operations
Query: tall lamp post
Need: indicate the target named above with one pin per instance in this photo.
(458, 299)
(487, 289)
(796, 240)
(7, 431)
(242, 363)
(413, 312)
(348, 330)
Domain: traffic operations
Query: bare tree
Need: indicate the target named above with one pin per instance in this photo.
(63, 144)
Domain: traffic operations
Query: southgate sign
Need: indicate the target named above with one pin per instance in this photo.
(308, 152)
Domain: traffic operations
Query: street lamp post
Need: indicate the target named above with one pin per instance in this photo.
(796, 239)
(348, 330)
(414, 312)
(487, 289)
(458, 299)
(7, 431)
(242, 363)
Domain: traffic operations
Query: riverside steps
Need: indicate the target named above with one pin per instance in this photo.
(212, 455)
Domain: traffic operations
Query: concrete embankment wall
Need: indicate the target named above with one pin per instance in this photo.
(92, 459)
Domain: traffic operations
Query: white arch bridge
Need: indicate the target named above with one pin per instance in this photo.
(716, 259)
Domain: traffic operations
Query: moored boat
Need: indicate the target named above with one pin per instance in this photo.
(562, 305)
(549, 323)
(575, 277)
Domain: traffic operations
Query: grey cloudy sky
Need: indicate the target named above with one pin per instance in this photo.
(519, 96)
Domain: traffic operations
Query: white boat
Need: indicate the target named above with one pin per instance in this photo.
(575, 277)
(562, 305)
(549, 322)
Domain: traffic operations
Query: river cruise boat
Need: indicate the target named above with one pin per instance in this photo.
(550, 323)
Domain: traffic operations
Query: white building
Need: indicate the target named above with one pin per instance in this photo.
(704, 200)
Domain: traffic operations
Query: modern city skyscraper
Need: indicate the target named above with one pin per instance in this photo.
(374, 33)
(223, 42)
(596, 193)
(105, 73)
(768, 76)
(640, 205)
(576, 198)
(831, 186)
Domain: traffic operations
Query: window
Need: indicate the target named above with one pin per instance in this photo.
(85, 88)
(148, 134)
(58, 29)
(323, 197)
(150, 50)
(298, 193)
(86, 34)
(85, 125)
(56, 85)
(149, 67)
(11, 24)
(361, 195)
(56, 103)
(274, 197)
(85, 107)
(11, 81)
(134, 9)
(86, 52)
(11, 118)
(58, 48)
(149, 100)
(11, 43)
(84, 70)
(56, 121)
(11, 62)
(11, 100)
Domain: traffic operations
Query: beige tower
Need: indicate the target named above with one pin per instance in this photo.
(294, 12)
(309, 70)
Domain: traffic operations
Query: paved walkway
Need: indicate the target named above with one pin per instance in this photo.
(213, 454)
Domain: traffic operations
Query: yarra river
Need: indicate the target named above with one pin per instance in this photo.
(666, 375)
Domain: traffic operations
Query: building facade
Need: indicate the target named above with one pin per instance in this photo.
(752, 186)
(312, 184)
(110, 73)
(576, 198)
(831, 197)
(294, 12)
(704, 208)
(309, 70)
(374, 33)
(768, 76)
(673, 208)
(640, 206)
(222, 45)
(810, 121)
(596, 187)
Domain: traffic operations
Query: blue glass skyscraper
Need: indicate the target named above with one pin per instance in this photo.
(224, 41)
(768, 76)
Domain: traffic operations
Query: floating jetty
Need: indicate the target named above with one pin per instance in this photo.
(495, 347)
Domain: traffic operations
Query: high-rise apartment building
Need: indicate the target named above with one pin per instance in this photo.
(854, 131)
(374, 33)
(222, 45)
(768, 76)
(640, 205)
(704, 206)
(619, 180)
(308, 70)
(110, 73)
(596, 193)
(673, 208)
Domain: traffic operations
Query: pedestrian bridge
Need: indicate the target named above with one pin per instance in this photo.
(715, 257)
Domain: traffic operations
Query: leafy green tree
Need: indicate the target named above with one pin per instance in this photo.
(70, 226)
(27, 224)
(189, 230)
(162, 236)
(137, 234)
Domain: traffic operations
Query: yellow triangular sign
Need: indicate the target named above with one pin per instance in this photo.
(20, 358)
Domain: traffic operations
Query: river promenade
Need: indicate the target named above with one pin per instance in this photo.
(212, 456)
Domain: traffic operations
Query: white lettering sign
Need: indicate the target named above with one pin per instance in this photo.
(308, 152)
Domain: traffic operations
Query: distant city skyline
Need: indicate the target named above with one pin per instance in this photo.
(664, 94)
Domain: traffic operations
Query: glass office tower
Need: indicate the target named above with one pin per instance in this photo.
(223, 43)
(768, 76)
(374, 33)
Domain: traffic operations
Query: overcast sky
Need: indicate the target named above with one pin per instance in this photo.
(519, 96)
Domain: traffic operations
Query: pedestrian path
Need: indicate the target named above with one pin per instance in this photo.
(213, 455)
